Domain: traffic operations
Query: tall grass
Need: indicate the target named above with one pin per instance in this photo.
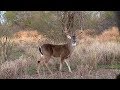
(89, 56)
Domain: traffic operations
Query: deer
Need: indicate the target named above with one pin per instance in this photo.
(63, 51)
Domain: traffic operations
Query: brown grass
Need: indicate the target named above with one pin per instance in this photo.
(85, 33)
(15, 69)
(109, 35)
(103, 53)
(85, 36)
(28, 36)
(90, 52)
(84, 60)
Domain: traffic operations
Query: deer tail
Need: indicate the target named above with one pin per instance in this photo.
(40, 51)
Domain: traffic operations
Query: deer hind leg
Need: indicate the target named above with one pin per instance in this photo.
(38, 72)
(46, 63)
(60, 69)
(68, 65)
(61, 64)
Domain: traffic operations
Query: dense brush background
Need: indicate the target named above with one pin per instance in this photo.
(96, 56)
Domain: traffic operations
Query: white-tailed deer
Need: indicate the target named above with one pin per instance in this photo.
(63, 51)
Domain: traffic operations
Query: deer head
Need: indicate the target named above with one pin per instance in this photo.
(70, 36)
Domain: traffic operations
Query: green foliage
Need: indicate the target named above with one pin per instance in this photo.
(28, 22)
(10, 16)
(44, 22)
(109, 15)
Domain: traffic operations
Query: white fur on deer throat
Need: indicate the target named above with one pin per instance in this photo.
(73, 44)
(41, 55)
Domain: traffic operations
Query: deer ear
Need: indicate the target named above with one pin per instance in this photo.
(68, 36)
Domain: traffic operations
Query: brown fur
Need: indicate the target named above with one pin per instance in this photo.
(55, 50)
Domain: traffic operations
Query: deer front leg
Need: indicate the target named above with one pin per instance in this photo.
(61, 66)
(60, 69)
(68, 66)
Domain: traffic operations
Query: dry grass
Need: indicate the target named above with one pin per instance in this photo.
(105, 53)
(111, 34)
(89, 53)
(28, 36)
(85, 33)
(85, 36)
(82, 64)
(17, 68)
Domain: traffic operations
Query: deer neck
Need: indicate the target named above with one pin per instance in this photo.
(70, 46)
